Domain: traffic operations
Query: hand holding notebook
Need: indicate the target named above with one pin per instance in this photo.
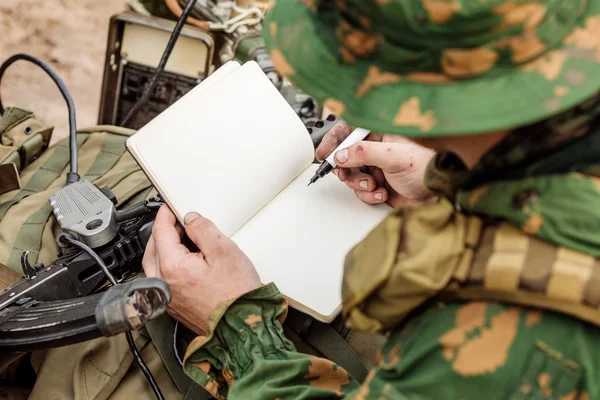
(233, 150)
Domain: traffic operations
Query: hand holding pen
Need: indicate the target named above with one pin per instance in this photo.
(381, 168)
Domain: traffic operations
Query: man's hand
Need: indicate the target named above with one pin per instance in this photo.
(198, 281)
(385, 168)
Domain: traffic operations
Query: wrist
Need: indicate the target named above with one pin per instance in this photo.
(242, 330)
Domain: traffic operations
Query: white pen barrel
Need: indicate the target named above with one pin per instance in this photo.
(356, 136)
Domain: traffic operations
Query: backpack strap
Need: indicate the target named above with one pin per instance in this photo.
(334, 347)
(161, 332)
(329, 342)
(29, 236)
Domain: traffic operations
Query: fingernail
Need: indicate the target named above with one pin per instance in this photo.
(379, 196)
(341, 156)
(189, 217)
(364, 184)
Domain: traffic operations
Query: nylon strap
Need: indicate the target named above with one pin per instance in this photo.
(161, 332)
(43, 177)
(32, 149)
(29, 236)
(112, 150)
(333, 346)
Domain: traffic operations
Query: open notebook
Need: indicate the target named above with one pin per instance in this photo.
(233, 150)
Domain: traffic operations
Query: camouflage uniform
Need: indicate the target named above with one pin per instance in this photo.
(493, 291)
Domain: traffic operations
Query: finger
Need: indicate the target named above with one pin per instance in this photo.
(150, 260)
(380, 195)
(375, 137)
(343, 174)
(333, 139)
(377, 173)
(205, 235)
(180, 230)
(387, 156)
(360, 181)
(166, 238)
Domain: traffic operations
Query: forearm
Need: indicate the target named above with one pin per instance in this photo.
(248, 353)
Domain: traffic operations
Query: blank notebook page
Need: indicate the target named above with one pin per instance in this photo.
(300, 240)
(225, 151)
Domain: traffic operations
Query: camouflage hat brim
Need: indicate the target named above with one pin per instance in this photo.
(304, 47)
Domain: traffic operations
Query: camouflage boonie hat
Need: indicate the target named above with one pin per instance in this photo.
(439, 67)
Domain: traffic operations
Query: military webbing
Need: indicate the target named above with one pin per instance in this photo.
(29, 236)
(161, 332)
(44, 176)
(335, 348)
(327, 341)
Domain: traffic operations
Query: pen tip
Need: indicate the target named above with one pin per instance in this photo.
(309, 183)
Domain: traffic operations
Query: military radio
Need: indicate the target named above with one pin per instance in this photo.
(135, 45)
(216, 32)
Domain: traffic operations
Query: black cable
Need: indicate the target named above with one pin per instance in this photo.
(72, 176)
(161, 65)
(134, 351)
(140, 362)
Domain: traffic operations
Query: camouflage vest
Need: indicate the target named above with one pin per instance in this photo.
(35, 171)
(437, 253)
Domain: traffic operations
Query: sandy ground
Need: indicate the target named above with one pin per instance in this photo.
(70, 35)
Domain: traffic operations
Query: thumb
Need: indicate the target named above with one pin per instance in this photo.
(390, 157)
(204, 234)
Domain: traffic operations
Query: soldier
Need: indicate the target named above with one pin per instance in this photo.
(492, 288)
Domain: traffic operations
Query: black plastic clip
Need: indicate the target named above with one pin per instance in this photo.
(128, 306)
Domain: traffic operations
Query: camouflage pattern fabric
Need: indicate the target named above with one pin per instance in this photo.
(400, 67)
(426, 68)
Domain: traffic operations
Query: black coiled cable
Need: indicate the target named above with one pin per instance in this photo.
(72, 176)
(161, 65)
(134, 351)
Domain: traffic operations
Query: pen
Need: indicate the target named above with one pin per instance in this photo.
(329, 164)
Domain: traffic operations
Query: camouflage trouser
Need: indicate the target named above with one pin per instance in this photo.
(480, 350)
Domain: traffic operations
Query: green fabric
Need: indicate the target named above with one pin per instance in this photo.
(558, 210)
(247, 340)
(47, 173)
(451, 351)
(426, 68)
(29, 236)
(32, 149)
(476, 350)
(541, 179)
(112, 149)
(13, 116)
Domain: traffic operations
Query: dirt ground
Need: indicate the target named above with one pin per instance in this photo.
(70, 35)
